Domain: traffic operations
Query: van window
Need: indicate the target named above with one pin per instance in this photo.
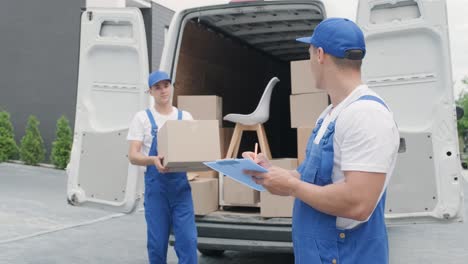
(401, 11)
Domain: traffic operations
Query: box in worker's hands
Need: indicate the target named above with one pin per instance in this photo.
(186, 144)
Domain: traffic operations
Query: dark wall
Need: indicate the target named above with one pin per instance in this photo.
(39, 62)
(39, 55)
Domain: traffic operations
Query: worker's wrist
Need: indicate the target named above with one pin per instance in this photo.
(293, 185)
(152, 159)
(295, 173)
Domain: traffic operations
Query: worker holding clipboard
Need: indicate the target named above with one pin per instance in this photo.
(338, 214)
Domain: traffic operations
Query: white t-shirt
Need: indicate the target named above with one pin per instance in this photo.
(366, 139)
(140, 127)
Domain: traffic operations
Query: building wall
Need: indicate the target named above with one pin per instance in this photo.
(39, 62)
(39, 59)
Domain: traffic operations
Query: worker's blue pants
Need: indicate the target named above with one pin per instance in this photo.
(168, 202)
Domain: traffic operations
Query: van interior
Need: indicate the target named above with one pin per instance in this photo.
(233, 52)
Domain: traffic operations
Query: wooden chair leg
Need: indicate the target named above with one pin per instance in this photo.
(267, 146)
(263, 141)
(238, 142)
(232, 144)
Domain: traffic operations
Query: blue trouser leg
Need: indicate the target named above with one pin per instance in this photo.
(184, 227)
(158, 222)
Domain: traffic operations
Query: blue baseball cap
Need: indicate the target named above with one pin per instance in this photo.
(158, 76)
(339, 37)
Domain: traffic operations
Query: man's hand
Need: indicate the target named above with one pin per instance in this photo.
(158, 160)
(260, 159)
(277, 180)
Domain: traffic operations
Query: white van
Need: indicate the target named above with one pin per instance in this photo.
(232, 50)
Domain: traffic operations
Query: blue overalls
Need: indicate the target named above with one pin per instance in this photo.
(168, 203)
(316, 238)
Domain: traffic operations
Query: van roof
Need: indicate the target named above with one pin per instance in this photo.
(271, 27)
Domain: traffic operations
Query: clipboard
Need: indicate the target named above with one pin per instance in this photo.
(234, 169)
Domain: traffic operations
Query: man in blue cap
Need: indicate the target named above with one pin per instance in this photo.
(168, 197)
(338, 214)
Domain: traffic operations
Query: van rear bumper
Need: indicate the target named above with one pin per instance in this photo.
(244, 245)
(244, 233)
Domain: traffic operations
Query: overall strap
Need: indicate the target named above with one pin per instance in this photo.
(372, 98)
(317, 126)
(179, 114)
(154, 127)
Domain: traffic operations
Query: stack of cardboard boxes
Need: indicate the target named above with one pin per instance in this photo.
(208, 107)
(204, 183)
(185, 145)
(307, 103)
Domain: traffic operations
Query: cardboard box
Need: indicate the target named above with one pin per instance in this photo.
(303, 135)
(285, 163)
(208, 174)
(204, 195)
(301, 78)
(192, 175)
(225, 140)
(238, 194)
(202, 107)
(278, 206)
(186, 144)
(306, 108)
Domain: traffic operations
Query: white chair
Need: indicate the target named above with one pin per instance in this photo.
(252, 122)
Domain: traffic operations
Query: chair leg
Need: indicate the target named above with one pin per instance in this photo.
(237, 146)
(233, 143)
(267, 146)
(263, 141)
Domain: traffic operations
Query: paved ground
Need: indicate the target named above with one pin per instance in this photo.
(37, 226)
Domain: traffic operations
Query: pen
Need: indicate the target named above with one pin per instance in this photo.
(256, 147)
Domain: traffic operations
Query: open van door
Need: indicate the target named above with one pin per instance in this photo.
(113, 70)
(408, 64)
